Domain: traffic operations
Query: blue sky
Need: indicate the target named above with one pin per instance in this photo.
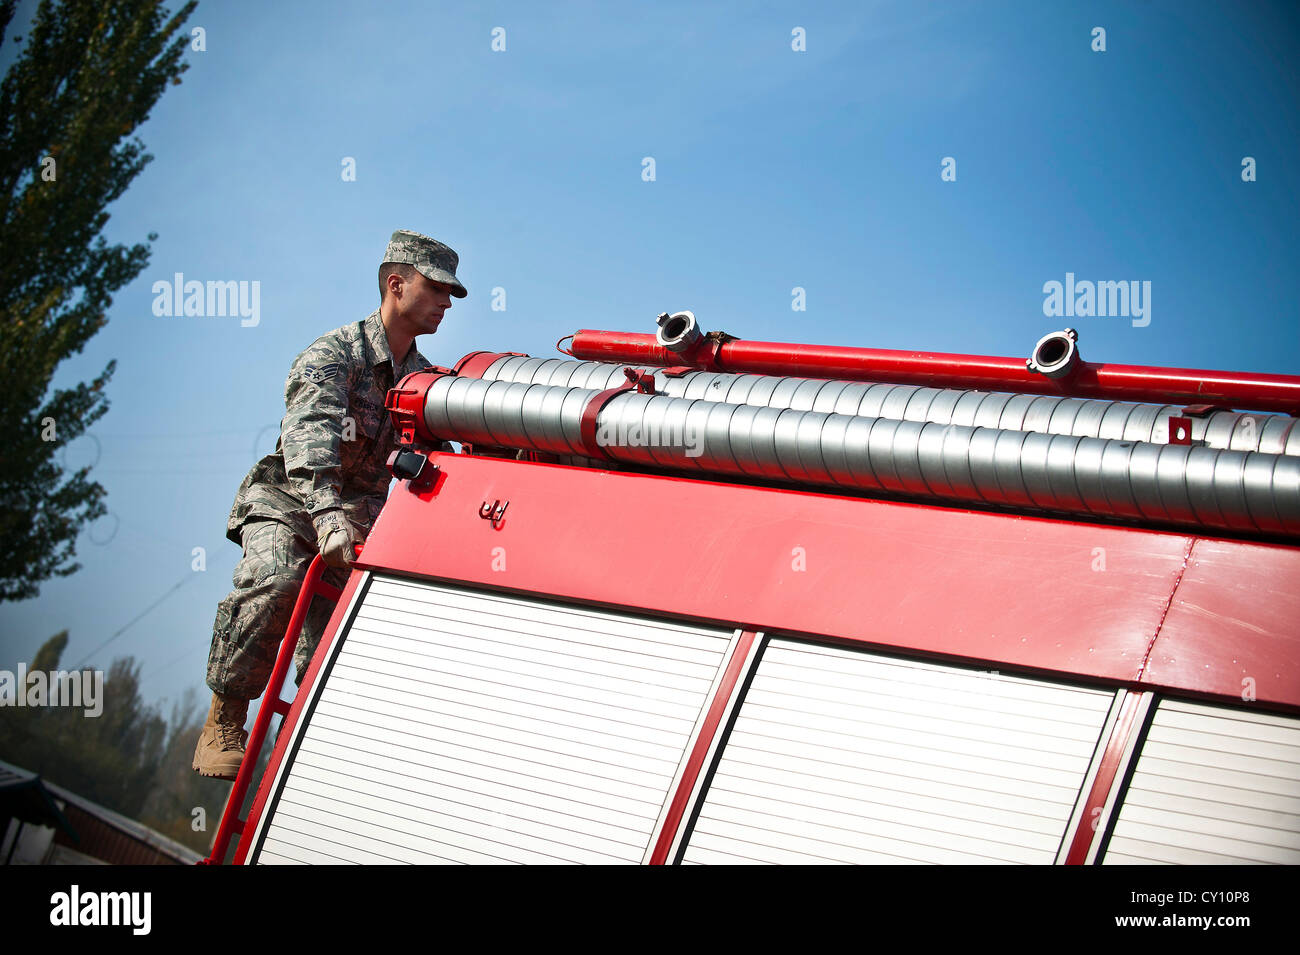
(773, 169)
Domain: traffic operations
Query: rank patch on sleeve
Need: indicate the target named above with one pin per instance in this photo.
(319, 373)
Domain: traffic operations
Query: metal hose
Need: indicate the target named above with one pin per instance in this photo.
(1181, 485)
(1079, 417)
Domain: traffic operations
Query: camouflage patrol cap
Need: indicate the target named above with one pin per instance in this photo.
(435, 261)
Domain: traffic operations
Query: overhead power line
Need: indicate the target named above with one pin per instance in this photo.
(136, 619)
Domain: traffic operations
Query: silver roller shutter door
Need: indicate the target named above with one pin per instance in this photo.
(463, 726)
(839, 755)
(1213, 785)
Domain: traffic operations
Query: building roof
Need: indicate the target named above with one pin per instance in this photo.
(15, 777)
(24, 795)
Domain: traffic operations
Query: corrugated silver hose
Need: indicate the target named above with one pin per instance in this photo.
(1189, 486)
(1081, 417)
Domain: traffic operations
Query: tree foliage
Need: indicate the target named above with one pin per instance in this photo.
(86, 78)
(110, 759)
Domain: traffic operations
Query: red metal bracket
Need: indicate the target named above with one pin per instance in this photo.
(405, 403)
(592, 411)
(707, 352)
(538, 457)
(1180, 426)
(493, 512)
(476, 362)
(643, 382)
(401, 405)
(231, 823)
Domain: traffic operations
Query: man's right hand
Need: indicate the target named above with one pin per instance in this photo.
(335, 536)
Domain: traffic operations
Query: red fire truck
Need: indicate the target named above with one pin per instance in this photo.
(685, 598)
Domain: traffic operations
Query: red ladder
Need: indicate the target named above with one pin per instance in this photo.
(231, 823)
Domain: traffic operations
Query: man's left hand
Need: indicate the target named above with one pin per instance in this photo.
(335, 536)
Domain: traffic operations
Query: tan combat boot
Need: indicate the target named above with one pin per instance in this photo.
(221, 744)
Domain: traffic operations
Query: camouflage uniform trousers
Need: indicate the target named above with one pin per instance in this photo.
(253, 618)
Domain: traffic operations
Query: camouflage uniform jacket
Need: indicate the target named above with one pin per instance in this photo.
(335, 437)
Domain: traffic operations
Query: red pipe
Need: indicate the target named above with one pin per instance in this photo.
(1185, 386)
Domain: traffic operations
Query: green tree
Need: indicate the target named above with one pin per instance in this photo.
(111, 759)
(51, 651)
(88, 75)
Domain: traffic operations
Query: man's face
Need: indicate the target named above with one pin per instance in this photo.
(422, 303)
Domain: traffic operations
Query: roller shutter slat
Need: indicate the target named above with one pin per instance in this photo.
(458, 727)
(1213, 785)
(988, 771)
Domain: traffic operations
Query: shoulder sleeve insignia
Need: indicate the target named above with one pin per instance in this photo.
(321, 373)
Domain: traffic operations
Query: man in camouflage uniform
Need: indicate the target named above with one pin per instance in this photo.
(322, 487)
